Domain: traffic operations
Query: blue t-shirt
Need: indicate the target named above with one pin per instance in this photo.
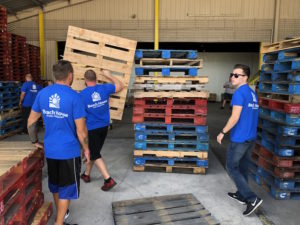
(60, 107)
(245, 129)
(96, 101)
(31, 90)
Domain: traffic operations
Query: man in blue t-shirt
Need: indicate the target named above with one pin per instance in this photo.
(29, 92)
(96, 100)
(243, 125)
(65, 129)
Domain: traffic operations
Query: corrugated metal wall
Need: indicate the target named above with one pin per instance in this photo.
(180, 21)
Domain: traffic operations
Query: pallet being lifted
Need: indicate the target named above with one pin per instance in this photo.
(92, 50)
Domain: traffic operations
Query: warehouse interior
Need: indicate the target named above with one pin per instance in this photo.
(222, 33)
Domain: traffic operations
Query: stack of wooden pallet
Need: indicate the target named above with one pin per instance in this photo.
(277, 152)
(21, 197)
(10, 114)
(87, 49)
(169, 113)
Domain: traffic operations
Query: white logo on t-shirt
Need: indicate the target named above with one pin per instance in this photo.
(34, 87)
(253, 97)
(96, 97)
(54, 101)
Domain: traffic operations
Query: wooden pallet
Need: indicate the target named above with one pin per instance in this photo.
(92, 50)
(171, 94)
(174, 80)
(169, 87)
(171, 62)
(284, 98)
(181, 209)
(164, 167)
(282, 45)
(171, 154)
(12, 133)
(43, 214)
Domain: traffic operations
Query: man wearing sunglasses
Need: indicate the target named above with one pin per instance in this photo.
(242, 124)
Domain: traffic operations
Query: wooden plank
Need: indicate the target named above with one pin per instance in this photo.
(172, 94)
(183, 80)
(164, 215)
(169, 87)
(16, 145)
(282, 45)
(171, 154)
(134, 202)
(172, 62)
(72, 43)
(169, 169)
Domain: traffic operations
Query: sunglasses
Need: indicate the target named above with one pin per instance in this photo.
(236, 75)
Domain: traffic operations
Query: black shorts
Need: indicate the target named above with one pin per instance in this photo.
(227, 96)
(64, 177)
(96, 141)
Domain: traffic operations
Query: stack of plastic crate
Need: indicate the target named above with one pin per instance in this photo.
(276, 155)
(169, 113)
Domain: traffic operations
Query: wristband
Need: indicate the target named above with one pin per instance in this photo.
(222, 132)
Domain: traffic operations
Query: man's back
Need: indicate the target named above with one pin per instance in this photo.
(245, 129)
(96, 101)
(31, 90)
(60, 107)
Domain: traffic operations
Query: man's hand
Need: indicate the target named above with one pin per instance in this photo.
(39, 145)
(87, 155)
(220, 138)
(106, 73)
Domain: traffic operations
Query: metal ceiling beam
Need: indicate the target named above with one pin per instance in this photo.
(38, 3)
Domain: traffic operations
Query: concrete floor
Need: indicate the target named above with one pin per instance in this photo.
(94, 205)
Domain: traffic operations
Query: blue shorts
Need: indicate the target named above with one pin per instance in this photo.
(64, 177)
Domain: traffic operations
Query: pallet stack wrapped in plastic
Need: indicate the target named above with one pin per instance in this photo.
(5, 47)
(21, 196)
(169, 113)
(10, 114)
(276, 155)
(34, 63)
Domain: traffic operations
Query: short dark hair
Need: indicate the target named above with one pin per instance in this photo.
(62, 69)
(246, 69)
(90, 75)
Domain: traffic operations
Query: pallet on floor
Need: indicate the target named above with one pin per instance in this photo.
(172, 94)
(170, 154)
(168, 102)
(170, 128)
(172, 145)
(181, 162)
(162, 210)
(165, 54)
(92, 50)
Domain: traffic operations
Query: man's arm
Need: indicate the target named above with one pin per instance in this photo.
(22, 96)
(33, 128)
(119, 85)
(82, 134)
(234, 118)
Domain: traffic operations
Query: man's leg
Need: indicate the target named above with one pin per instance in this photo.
(235, 153)
(63, 206)
(25, 116)
(102, 168)
(244, 163)
(55, 197)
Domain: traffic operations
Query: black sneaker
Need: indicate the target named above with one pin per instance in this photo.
(251, 206)
(237, 198)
